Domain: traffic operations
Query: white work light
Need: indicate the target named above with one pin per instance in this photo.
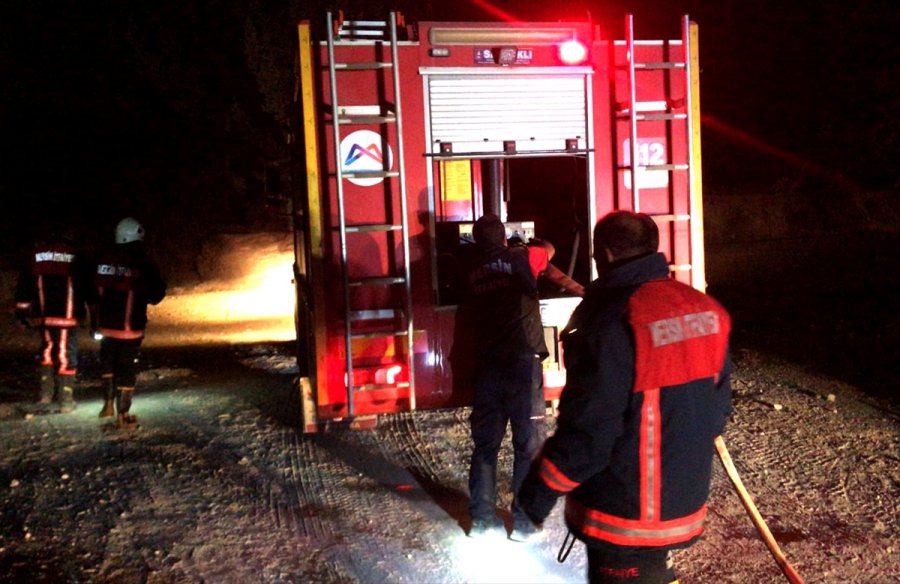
(572, 52)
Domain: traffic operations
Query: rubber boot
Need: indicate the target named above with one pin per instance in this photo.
(108, 410)
(66, 399)
(124, 420)
(47, 384)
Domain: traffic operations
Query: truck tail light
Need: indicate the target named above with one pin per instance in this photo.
(572, 52)
(388, 374)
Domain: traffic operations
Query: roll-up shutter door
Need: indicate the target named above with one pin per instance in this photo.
(477, 113)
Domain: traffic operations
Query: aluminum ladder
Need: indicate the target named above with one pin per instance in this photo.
(688, 114)
(393, 323)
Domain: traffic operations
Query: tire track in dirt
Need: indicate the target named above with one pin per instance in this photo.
(799, 452)
(166, 470)
(264, 465)
(303, 511)
(133, 525)
(226, 492)
(427, 445)
(305, 483)
(357, 506)
(400, 438)
(386, 527)
(298, 487)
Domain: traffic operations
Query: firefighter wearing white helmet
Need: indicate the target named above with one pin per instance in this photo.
(126, 280)
(129, 230)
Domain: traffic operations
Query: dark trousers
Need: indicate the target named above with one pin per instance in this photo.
(118, 360)
(632, 566)
(504, 393)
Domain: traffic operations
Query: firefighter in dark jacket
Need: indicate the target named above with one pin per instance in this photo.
(509, 348)
(647, 392)
(126, 280)
(50, 296)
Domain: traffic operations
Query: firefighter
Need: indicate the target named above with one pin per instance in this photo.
(509, 348)
(647, 393)
(540, 252)
(126, 280)
(50, 297)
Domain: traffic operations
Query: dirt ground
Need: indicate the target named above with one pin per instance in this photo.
(217, 485)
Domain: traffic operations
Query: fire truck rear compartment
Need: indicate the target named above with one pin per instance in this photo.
(410, 138)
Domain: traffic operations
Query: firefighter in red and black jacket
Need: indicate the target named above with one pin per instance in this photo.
(50, 296)
(647, 392)
(126, 280)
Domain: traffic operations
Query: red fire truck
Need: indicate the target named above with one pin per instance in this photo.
(413, 131)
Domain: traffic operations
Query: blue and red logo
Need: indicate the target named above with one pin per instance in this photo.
(365, 151)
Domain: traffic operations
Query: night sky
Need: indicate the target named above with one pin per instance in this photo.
(171, 111)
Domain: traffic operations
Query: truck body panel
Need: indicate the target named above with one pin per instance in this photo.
(493, 119)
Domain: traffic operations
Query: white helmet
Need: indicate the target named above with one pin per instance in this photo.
(129, 230)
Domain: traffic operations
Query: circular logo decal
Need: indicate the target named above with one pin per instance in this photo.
(365, 151)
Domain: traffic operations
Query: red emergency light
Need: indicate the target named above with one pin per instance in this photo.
(572, 52)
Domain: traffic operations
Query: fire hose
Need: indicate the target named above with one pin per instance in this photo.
(792, 576)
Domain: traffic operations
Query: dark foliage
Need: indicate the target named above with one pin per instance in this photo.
(173, 111)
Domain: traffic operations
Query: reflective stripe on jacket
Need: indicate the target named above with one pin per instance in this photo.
(647, 392)
(126, 281)
(51, 290)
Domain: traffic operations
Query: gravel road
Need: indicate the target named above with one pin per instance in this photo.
(217, 486)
